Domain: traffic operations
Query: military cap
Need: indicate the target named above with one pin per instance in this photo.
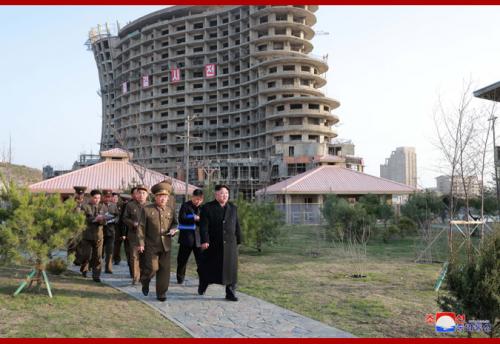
(80, 190)
(140, 187)
(163, 188)
(95, 192)
(107, 192)
(125, 196)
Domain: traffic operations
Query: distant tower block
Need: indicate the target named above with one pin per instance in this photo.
(401, 166)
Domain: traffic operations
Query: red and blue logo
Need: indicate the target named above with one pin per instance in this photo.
(446, 321)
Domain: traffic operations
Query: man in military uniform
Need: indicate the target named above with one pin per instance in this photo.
(92, 237)
(112, 214)
(156, 229)
(120, 204)
(73, 243)
(130, 218)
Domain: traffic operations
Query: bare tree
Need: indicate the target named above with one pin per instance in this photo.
(125, 142)
(462, 138)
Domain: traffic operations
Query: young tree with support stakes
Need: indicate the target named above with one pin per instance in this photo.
(463, 133)
(32, 227)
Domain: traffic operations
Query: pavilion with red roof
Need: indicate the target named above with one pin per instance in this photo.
(115, 171)
(306, 192)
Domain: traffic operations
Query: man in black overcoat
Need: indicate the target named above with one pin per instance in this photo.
(220, 236)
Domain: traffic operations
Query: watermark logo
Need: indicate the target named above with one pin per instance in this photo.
(446, 322)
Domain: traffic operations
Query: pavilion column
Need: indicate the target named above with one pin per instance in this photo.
(288, 208)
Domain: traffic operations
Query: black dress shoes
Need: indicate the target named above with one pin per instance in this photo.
(202, 288)
(84, 274)
(97, 279)
(145, 290)
(162, 298)
(231, 298)
(230, 292)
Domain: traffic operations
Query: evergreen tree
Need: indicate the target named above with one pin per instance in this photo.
(34, 225)
(474, 286)
(260, 223)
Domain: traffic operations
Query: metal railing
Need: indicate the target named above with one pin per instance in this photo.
(301, 213)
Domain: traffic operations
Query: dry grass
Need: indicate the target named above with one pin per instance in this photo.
(391, 302)
(312, 278)
(79, 308)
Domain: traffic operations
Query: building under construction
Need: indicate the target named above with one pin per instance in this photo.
(233, 89)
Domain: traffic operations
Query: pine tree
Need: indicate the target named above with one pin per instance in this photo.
(32, 226)
(474, 286)
(260, 223)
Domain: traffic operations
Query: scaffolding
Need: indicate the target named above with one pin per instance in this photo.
(101, 31)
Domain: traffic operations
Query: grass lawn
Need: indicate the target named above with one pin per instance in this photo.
(79, 308)
(306, 275)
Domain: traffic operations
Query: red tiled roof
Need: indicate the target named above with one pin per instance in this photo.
(116, 153)
(116, 175)
(336, 180)
(329, 158)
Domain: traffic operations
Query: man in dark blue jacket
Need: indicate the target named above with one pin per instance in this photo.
(189, 237)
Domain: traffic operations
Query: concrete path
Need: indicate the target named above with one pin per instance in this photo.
(212, 316)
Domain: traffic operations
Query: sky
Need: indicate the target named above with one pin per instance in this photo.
(388, 66)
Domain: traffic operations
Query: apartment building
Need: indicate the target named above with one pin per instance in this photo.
(240, 81)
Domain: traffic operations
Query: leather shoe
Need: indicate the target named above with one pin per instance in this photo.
(180, 280)
(97, 279)
(231, 298)
(108, 272)
(162, 298)
(202, 289)
(84, 274)
(145, 290)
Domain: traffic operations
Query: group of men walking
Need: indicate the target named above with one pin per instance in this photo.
(211, 231)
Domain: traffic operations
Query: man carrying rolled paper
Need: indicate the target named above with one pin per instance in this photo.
(189, 236)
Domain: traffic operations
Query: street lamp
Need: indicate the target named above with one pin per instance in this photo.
(495, 160)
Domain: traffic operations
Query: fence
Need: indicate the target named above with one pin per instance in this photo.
(301, 213)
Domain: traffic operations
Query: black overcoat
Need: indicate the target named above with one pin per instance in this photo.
(220, 228)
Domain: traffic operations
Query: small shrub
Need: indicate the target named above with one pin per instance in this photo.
(407, 226)
(390, 233)
(56, 266)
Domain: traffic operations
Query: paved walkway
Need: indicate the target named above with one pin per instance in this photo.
(212, 316)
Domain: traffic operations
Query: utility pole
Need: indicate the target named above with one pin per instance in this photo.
(188, 123)
(495, 161)
(189, 118)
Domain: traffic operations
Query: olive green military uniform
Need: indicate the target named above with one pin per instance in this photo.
(92, 240)
(109, 236)
(74, 242)
(118, 235)
(130, 218)
(155, 223)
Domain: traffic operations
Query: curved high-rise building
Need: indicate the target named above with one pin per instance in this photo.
(240, 77)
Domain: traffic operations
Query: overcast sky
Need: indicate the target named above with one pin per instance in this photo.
(388, 64)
